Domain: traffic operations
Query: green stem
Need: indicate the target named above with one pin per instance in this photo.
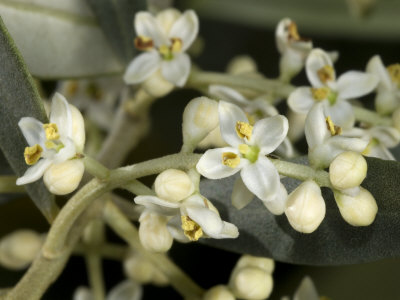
(95, 168)
(7, 185)
(370, 117)
(302, 172)
(105, 250)
(178, 279)
(262, 85)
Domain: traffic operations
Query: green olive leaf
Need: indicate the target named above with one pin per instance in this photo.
(335, 242)
(19, 98)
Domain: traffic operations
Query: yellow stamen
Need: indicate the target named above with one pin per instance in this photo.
(143, 43)
(51, 131)
(32, 154)
(71, 88)
(335, 130)
(94, 91)
(326, 73)
(293, 33)
(320, 94)
(176, 45)
(191, 229)
(394, 72)
(244, 149)
(244, 129)
(230, 159)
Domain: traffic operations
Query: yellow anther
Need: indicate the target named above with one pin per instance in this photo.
(176, 45)
(372, 143)
(191, 229)
(32, 154)
(71, 88)
(244, 149)
(394, 72)
(165, 52)
(293, 33)
(326, 73)
(51, 131)
(335, 130)
(94, 91)
(244, 129)
(320, 94)
(143, 43)
(230, 159)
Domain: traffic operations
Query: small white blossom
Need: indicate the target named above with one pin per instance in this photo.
(54, 143)
(247, 154)
(387, 93)
(164, 38)
(324, 139)
(331, 92)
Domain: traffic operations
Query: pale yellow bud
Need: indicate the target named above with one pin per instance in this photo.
(18, 249)
(200, 117)
(64, 178)
(138, 269)
(305, 207)
(157, 86)
(251, 283)
(263, 263)
(173, 185)
(219, 292)
(242, 64)
(359, 210)
(347, 170)
(153, 233)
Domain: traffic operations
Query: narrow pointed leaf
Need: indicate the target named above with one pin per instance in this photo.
(59, 39)
(19, 98)
(334, 243)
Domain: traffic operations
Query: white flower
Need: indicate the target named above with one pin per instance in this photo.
(388, 92)
(330, 92)
(164, 38)
(324, 139)
(249, 147)
(54, 143)
(293, 48)
(255, 109)
(197, 215)
(380, 139)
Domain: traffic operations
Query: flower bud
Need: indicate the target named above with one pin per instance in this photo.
(263, 263)
(173, 185)
(305, 208)
(251, 283)
(157, 86)
(359, 210)
(82, 293)
(64, 178)
(213, 140)
(138, 269)
(219, 292)
(153, 232)
(347, 170)
(242, 64)
(125, 290)
(18, 249)
(78, 128)
(199, 119)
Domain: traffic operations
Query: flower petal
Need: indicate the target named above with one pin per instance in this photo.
(229, 231)
(241, 196)
(67, 152)
(146, 25)
(341, 113)
(60, 114)
(353, 84)
(261, 178)
(78, 128)
(388, 136)
(301, 100)
(186, 28)
(277, 204)
(375, 66)
(166, 18)
(316, 60)
(380, 151)
(32, 130)
(210, 164)
(209, 221)
(315, 127)
(125, 290)
(225, 93)
(285, 149)
(148, 201)
(229, 115)
(34, 172)
(269, 133)
(176, 70)
(142, 67)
